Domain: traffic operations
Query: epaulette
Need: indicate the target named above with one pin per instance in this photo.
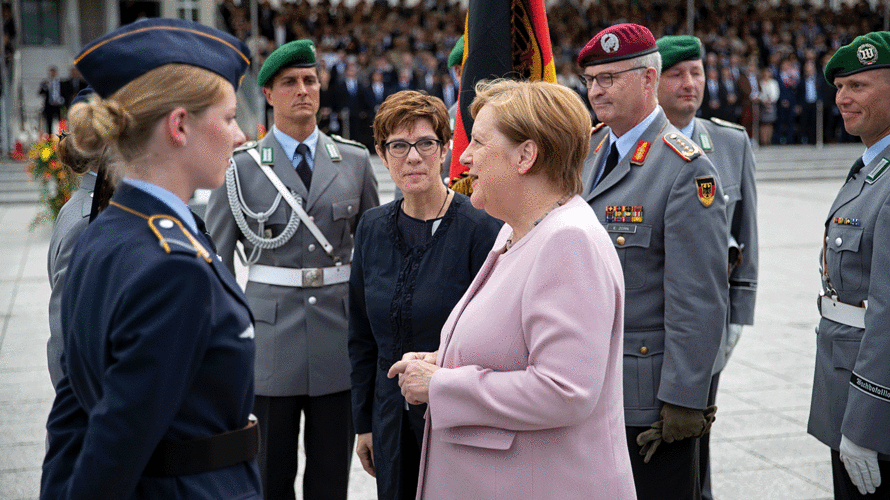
(341, 140)
(175, 238)
(172, 235)
(247, 145)
(724, 123)
(687, 149)
(596, 128)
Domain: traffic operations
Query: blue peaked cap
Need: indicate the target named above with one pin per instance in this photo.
(117, 58)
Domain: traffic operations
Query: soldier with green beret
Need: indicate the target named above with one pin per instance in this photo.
(850, 407)
(680, 93)
(293, 201)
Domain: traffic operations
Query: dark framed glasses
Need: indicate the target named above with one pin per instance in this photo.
(604, 80)
(424, 147)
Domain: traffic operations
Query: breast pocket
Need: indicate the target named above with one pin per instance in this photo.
(632, 245)
(343, 213)
(844, 260)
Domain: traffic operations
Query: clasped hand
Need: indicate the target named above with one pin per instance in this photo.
(415, 371)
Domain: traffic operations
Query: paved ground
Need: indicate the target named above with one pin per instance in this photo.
(760, 447)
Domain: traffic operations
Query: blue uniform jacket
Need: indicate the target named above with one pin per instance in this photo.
(399, 298)
(158, 346)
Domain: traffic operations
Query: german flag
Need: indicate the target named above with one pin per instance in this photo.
(502, 39)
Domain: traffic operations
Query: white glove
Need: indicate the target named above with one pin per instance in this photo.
(732, 337)
(861, 464)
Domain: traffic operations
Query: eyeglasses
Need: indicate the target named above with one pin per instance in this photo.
(604, 80)
(424, 147)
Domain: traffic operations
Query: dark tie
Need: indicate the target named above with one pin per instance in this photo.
(855, 169)
(611, 161)
(303, 168)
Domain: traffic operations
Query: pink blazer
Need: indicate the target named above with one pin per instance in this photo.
(529, 401)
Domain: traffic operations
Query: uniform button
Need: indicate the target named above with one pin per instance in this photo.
(826, 240)
(312, 218)
(166, 223)
(644, 350)
(312, 247)
(725, 197)
(312, 300)
(349, 208)
(620, 240)
(838, 241)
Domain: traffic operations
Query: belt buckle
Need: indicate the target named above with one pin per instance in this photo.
(313, 278)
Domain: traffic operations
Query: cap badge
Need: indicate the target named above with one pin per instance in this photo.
(609, 43)
(867, 54)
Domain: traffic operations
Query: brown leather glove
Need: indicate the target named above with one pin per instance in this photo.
(649, 441)
(681, 423)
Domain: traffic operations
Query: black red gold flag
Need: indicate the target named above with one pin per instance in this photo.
(502, 39)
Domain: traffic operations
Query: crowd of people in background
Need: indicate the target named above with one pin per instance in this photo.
(764, 62)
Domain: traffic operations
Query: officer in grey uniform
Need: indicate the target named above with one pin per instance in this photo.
(726, 144)
(850, 408)
(298, 273)
(660, 200)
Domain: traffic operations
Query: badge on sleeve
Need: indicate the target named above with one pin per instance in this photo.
(706, 189)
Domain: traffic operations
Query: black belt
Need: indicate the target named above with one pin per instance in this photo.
(195, 456)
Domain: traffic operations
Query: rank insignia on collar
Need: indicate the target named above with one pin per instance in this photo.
(333, 152)
(878, 171)
(845, 221)
(267, 156)
(624, 213)
(640, 153)
(706, 188)
(705, 141)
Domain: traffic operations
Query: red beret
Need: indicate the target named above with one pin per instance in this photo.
(617, 43)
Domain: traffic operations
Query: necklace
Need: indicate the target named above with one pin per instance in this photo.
(559, 203)
(447, 193)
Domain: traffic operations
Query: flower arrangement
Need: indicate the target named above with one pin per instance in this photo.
(57, 181)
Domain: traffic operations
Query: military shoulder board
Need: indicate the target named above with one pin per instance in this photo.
(247, 145)
(347, 141)
(597, 127)
(682, 146)
(878, 171)
(724, 123)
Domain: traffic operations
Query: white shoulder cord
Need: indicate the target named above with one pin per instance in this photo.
(239, 209)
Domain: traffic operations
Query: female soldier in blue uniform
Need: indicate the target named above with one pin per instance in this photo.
(157, 383)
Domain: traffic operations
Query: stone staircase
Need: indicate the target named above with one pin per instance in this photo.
(16, 186)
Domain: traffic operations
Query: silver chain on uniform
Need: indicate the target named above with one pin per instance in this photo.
(240, 209)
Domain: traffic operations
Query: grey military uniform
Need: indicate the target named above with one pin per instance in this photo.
(72, 220)
(674, 262)
(300, 332)
(851, 387)
(727, 146)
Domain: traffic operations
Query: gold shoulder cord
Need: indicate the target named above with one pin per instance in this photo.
(200, 251)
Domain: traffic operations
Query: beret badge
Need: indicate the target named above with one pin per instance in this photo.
(609, 43)
(867, 54)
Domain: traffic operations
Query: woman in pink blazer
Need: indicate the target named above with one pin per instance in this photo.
(525, 391)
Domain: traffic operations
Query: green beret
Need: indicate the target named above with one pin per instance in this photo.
(871, 51)
(457, 53)
(296, 54)
(676, 49)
